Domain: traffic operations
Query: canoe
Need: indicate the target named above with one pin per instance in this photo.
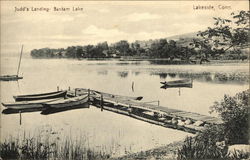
(67, 102)
(50, 95)
(177, 84)
(28, 104)
(10, 78)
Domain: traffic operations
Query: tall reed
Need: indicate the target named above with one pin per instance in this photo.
(49, 147)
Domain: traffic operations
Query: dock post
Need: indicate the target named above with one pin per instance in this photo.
(129, 109)
(88, 96)
(69, 89)
(158, 103)
(133, 86)
(179, 91)
(75, 91)
(101, 102)
(57, 88)
(20, 117)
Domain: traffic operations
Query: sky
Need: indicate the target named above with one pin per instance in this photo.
(109, 21)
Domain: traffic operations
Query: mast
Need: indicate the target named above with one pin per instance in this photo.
(20, 61)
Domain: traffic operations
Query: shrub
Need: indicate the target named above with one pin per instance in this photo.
(234, 112)
(203, 145)
(234, 130)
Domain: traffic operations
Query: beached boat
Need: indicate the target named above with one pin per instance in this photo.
(13, 77)
(28, 104)
(94, 93)
(80, 100)
(107, 95)
(31, 97)
(178, 84)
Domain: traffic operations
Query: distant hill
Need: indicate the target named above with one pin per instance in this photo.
(184, 36)
(181, 40)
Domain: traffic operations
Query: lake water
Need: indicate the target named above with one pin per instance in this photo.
(116, 133)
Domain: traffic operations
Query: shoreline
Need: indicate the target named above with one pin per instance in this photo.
(166, 152)
(166, 60)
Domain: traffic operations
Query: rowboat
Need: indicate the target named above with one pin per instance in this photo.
(177, 84)
(27, 110)
(62, 103)
(28, 104)
(50, 110)
(176, 81)
(107, 95)
(31, 97)
(94, 93)
(10, 77)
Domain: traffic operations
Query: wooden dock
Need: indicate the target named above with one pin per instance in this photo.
(159, 115)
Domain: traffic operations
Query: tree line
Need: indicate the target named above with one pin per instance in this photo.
(158, 49)
(225, 40)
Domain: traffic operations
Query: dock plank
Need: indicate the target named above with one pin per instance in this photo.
(127, 101)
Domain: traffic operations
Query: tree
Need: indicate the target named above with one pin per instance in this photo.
(228, 33)
(89, 51)
(202, 46)
(173, 49)
(100, 48)
(79, 52)
(136, 49)
(71, 52)
(234, 111)
(123, 47)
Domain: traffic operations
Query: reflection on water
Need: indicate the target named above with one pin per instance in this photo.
(240, 78)
(102, 72)
(135, 73)
(163, 75)
(123, 74)
(107, 129)
(172, 75)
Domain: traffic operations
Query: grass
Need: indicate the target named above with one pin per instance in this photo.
(49, 147)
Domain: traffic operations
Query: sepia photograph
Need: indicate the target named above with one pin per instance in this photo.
(124, 80)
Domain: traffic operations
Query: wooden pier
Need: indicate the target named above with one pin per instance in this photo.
(155, 114)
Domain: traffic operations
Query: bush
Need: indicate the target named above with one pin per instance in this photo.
(234, 130)
(203, 145)
(234, 112)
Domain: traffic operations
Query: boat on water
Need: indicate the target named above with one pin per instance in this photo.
(28, 104)
(70, 102)
(49, 95)
(13, 77)
(10, 78)
(178, 83)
